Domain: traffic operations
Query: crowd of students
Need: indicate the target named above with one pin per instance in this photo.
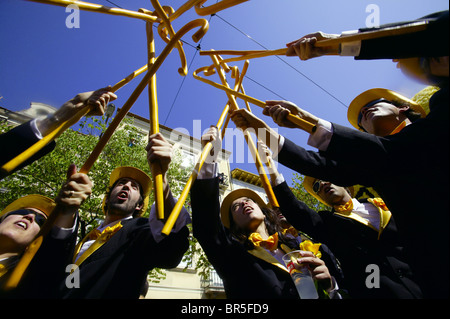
(397, 148)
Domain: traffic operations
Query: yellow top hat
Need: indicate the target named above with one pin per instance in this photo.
(308, 185)
(375, 94)
(134, 173)
(42, 203)
(231, 197)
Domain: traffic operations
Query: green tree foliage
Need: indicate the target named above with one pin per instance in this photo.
(301, 194)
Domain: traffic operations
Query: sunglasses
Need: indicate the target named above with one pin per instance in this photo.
(316, 186)
(360, 115)
(38, 218)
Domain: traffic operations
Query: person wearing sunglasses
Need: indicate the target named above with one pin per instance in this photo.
(22, 220)
(383, 112)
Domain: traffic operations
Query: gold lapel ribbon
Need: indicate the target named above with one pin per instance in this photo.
(100, 239)
(385, 215)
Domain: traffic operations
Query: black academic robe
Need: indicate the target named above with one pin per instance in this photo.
(409, 170)
(246, 274)
(357, 246)
(120, 266)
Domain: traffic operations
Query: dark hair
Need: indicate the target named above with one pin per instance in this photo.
(273, 225)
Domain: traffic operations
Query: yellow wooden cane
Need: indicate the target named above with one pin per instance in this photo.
(87, 6)
(219, 6)
(154, 125)
(234, 106)
(203, 24)
(187, 187)
(386, 32)
(224, 118)
(301, 123)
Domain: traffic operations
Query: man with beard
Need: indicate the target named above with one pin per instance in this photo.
(113, 260)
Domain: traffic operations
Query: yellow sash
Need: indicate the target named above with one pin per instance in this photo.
(385, 215)
(102, 238)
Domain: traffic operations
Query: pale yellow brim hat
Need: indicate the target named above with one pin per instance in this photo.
(40, 202)
(134, 173)
(308, 185)
(231, 197)
(375, 94)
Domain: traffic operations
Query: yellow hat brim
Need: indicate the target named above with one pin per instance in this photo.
(231, 197)
(375, 94)
(40, 202)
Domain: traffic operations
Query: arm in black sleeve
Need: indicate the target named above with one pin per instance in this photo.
(16, 141)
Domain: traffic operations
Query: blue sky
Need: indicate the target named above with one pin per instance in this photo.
(41, 60)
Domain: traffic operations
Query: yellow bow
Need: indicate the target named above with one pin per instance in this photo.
(345, 208)
(270, 243)
(94, 234)
(308, 245)
(379, 203)
(99, 237)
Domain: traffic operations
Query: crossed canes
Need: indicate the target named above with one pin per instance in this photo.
(163, 15)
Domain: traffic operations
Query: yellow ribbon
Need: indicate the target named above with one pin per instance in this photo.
(308, 245)
(100, 239)
(345, 208)
(270, 243)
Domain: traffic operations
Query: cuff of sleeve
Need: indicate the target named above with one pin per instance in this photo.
(156, 225)
(350, 48)
(334, 294)
(321, 138)
(63, 233)
(208, 170)
(35, 129)
(280, 179)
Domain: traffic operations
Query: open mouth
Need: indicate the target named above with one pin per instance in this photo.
(22, 224)
(123, 195)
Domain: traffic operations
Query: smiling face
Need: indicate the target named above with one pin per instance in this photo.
(246, 213)
(124, 198)
(17, 231)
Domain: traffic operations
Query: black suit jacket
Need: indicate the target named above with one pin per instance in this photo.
(432, 42)
(356, 246)
(244, 275)
(409, 170)
(17, 140)
(118, 268)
